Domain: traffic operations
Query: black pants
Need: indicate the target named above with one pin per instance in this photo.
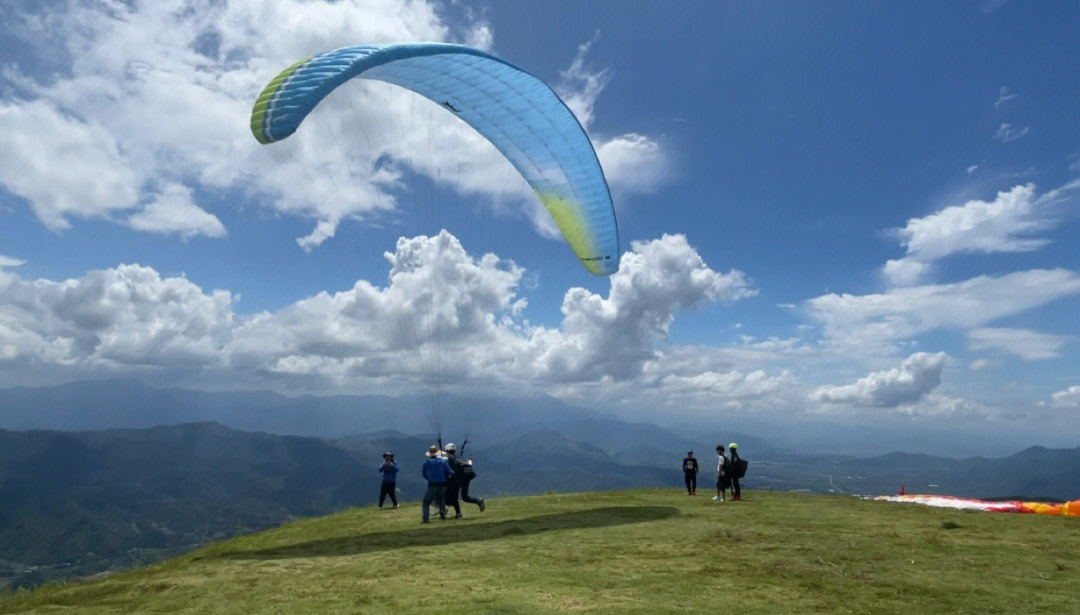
(735, 487)
(387, 489)
(452, 497)
(465, 495)
(691, 481)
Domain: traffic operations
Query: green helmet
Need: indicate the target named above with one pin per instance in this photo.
(733, 445)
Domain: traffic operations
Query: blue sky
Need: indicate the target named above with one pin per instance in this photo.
(862, 212)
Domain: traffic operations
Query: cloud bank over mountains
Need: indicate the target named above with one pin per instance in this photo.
(444, 315)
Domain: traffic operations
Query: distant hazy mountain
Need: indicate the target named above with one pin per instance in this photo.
(79, 502)
(86, 501)
(120, 404)
(123, 404)
(129, 404)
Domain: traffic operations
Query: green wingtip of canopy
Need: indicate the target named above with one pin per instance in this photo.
(262, 107)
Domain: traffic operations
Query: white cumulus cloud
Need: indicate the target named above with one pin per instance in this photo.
(62, 165)
(914, 379)
(1069, 398)
(445, 318)
(172, 211)
(613, 336)
(126, 317)
(145, 98)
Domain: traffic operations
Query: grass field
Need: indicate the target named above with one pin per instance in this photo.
(649, 551)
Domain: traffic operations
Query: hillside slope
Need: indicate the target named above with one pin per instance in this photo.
(648, 551)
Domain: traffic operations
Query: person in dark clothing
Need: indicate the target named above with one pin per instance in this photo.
(389, 470)
(736, 493)
(468, 473)
(437, 473)
(690, 469)
(453, 486)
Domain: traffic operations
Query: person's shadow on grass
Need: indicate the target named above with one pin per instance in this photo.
(444, 534)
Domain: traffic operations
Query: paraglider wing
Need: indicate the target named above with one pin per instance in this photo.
(1069, 509)
(514, 110)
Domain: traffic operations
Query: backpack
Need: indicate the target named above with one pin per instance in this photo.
(740, 467)
(467, 472)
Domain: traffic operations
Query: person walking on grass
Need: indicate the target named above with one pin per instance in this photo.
(389, 470)
(453, 486)
(723, 474)
(437, 473)
(690, 469)
(467, 475)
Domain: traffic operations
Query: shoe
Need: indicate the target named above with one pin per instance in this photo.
(442, 516)
(424, 521)
(481, 504)
(395, 506)
(716, 498)
(457, 516)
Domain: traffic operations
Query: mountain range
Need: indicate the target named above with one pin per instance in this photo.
(120, 474)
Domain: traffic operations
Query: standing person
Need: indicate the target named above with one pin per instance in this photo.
(454, 484)
(736, 467)
(468, 474)
(723, 474)
(690, 468)
(389, 470)
(437, 473)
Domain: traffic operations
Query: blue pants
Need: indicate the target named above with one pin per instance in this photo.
(436, 492)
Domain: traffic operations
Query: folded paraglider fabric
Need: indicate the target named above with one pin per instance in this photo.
(1071, 509)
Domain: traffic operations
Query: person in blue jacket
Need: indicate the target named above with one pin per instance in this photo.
(437, 473)
(389, 470)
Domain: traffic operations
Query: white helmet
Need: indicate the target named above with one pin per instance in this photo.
(450, 448)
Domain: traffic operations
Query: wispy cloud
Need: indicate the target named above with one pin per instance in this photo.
(874, 323)
(1024, 343)
(633, 163)
(7, 261)
(1006, 133)
(1006, 224)
(1004, 96)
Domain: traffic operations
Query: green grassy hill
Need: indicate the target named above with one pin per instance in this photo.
(648, 551)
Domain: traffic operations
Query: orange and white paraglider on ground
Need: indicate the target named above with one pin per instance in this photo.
(1069, 509)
